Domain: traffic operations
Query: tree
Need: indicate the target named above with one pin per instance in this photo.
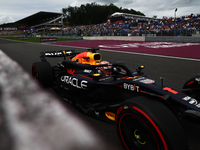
(93, 13)
(65, 21)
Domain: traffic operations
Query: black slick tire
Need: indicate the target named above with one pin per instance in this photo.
(145, 123)
(192, 84)
(42, 73)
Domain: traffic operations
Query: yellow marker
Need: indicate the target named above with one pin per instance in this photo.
(110, 115)
(130, 78)
(96, 75)
(142, 67)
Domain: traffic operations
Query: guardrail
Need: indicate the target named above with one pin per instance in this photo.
(134, 36)
(123, 38)
(32, 119)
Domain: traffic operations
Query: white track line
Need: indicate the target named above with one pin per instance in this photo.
(153, 55)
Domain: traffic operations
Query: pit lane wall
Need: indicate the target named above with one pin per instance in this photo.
(147, 38)
(33, 119)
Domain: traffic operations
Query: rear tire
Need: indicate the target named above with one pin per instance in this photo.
(147, 124)
(42, 73)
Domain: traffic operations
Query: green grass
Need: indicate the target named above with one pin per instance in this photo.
(36, 39)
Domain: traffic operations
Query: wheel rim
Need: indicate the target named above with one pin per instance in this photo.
(136, 134)
(139, 137)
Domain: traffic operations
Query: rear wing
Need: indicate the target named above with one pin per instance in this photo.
(61, 53)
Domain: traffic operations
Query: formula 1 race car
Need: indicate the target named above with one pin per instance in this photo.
(147, 113)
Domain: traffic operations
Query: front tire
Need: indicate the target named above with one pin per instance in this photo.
(147, 124)
(42, 73)
(193, 85)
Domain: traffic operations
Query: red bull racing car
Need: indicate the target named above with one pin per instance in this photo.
(146, 112)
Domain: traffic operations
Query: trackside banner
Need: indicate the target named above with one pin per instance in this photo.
(8, 29)
(47, 39)
(13, 29)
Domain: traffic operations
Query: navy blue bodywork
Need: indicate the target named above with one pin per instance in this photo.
(86, 88)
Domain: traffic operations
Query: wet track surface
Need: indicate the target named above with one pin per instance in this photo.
(175, 71)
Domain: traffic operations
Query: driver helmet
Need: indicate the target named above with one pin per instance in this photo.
(107, 70)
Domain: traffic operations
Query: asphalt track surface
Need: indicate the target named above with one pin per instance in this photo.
(176, 70)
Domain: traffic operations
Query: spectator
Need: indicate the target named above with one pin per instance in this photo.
(135, 26)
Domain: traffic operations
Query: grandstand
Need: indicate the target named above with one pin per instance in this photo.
(131, 16)
(119, 24)
(41, 21)
(118, 16)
